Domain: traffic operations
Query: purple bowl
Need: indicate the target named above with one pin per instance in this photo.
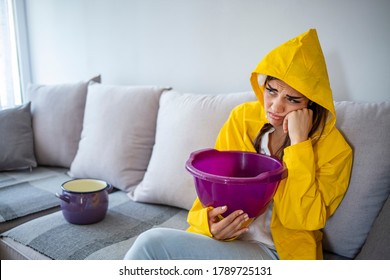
(239, 180)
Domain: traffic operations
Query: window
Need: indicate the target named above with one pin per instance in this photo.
(10, 86)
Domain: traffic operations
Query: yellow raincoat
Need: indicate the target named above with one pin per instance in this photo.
(318, 174)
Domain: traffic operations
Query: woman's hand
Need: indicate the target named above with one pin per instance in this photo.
(228, 227)
(298, 125)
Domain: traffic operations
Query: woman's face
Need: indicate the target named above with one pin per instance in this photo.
(280, 99)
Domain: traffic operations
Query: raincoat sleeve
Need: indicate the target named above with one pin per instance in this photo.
(235, 134)
(316, 182)
(198, 219)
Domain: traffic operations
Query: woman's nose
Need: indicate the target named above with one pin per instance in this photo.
(277, 107)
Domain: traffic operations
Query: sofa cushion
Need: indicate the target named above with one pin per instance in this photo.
(53, 237)
(366, 127)
(186, 122)
(57, 114)
(118, 134)
(16, 141)
(26, 194)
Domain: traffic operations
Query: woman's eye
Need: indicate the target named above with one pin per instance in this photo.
(292, 100)
(271, 91)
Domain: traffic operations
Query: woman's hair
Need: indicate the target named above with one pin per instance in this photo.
(320, 115)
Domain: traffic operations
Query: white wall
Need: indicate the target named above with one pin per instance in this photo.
(206, 45)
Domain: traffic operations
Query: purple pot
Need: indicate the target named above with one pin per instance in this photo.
(239, 180)
(84, 201)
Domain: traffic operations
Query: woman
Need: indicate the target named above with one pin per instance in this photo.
(294, 120)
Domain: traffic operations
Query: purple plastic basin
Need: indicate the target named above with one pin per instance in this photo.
(239, 180)
(84, 201)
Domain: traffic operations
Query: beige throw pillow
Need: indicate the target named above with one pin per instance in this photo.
(57, 119)
(366, 126)
(118, 134)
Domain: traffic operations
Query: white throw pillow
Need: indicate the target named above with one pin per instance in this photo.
(186, 122)
(118, 134)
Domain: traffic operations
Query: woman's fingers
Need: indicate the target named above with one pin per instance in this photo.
(298, 125)
(228, 227)
(214, 213)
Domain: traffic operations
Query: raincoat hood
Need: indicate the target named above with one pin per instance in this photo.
(300, 63)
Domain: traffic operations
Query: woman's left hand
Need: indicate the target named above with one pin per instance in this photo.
(228, 227)
(298, 125)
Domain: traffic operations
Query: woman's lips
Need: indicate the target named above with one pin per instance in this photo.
(275, 117)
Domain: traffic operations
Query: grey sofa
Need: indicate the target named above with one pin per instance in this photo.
(138, 139)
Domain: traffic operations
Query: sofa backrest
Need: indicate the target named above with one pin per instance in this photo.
(366, 126)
